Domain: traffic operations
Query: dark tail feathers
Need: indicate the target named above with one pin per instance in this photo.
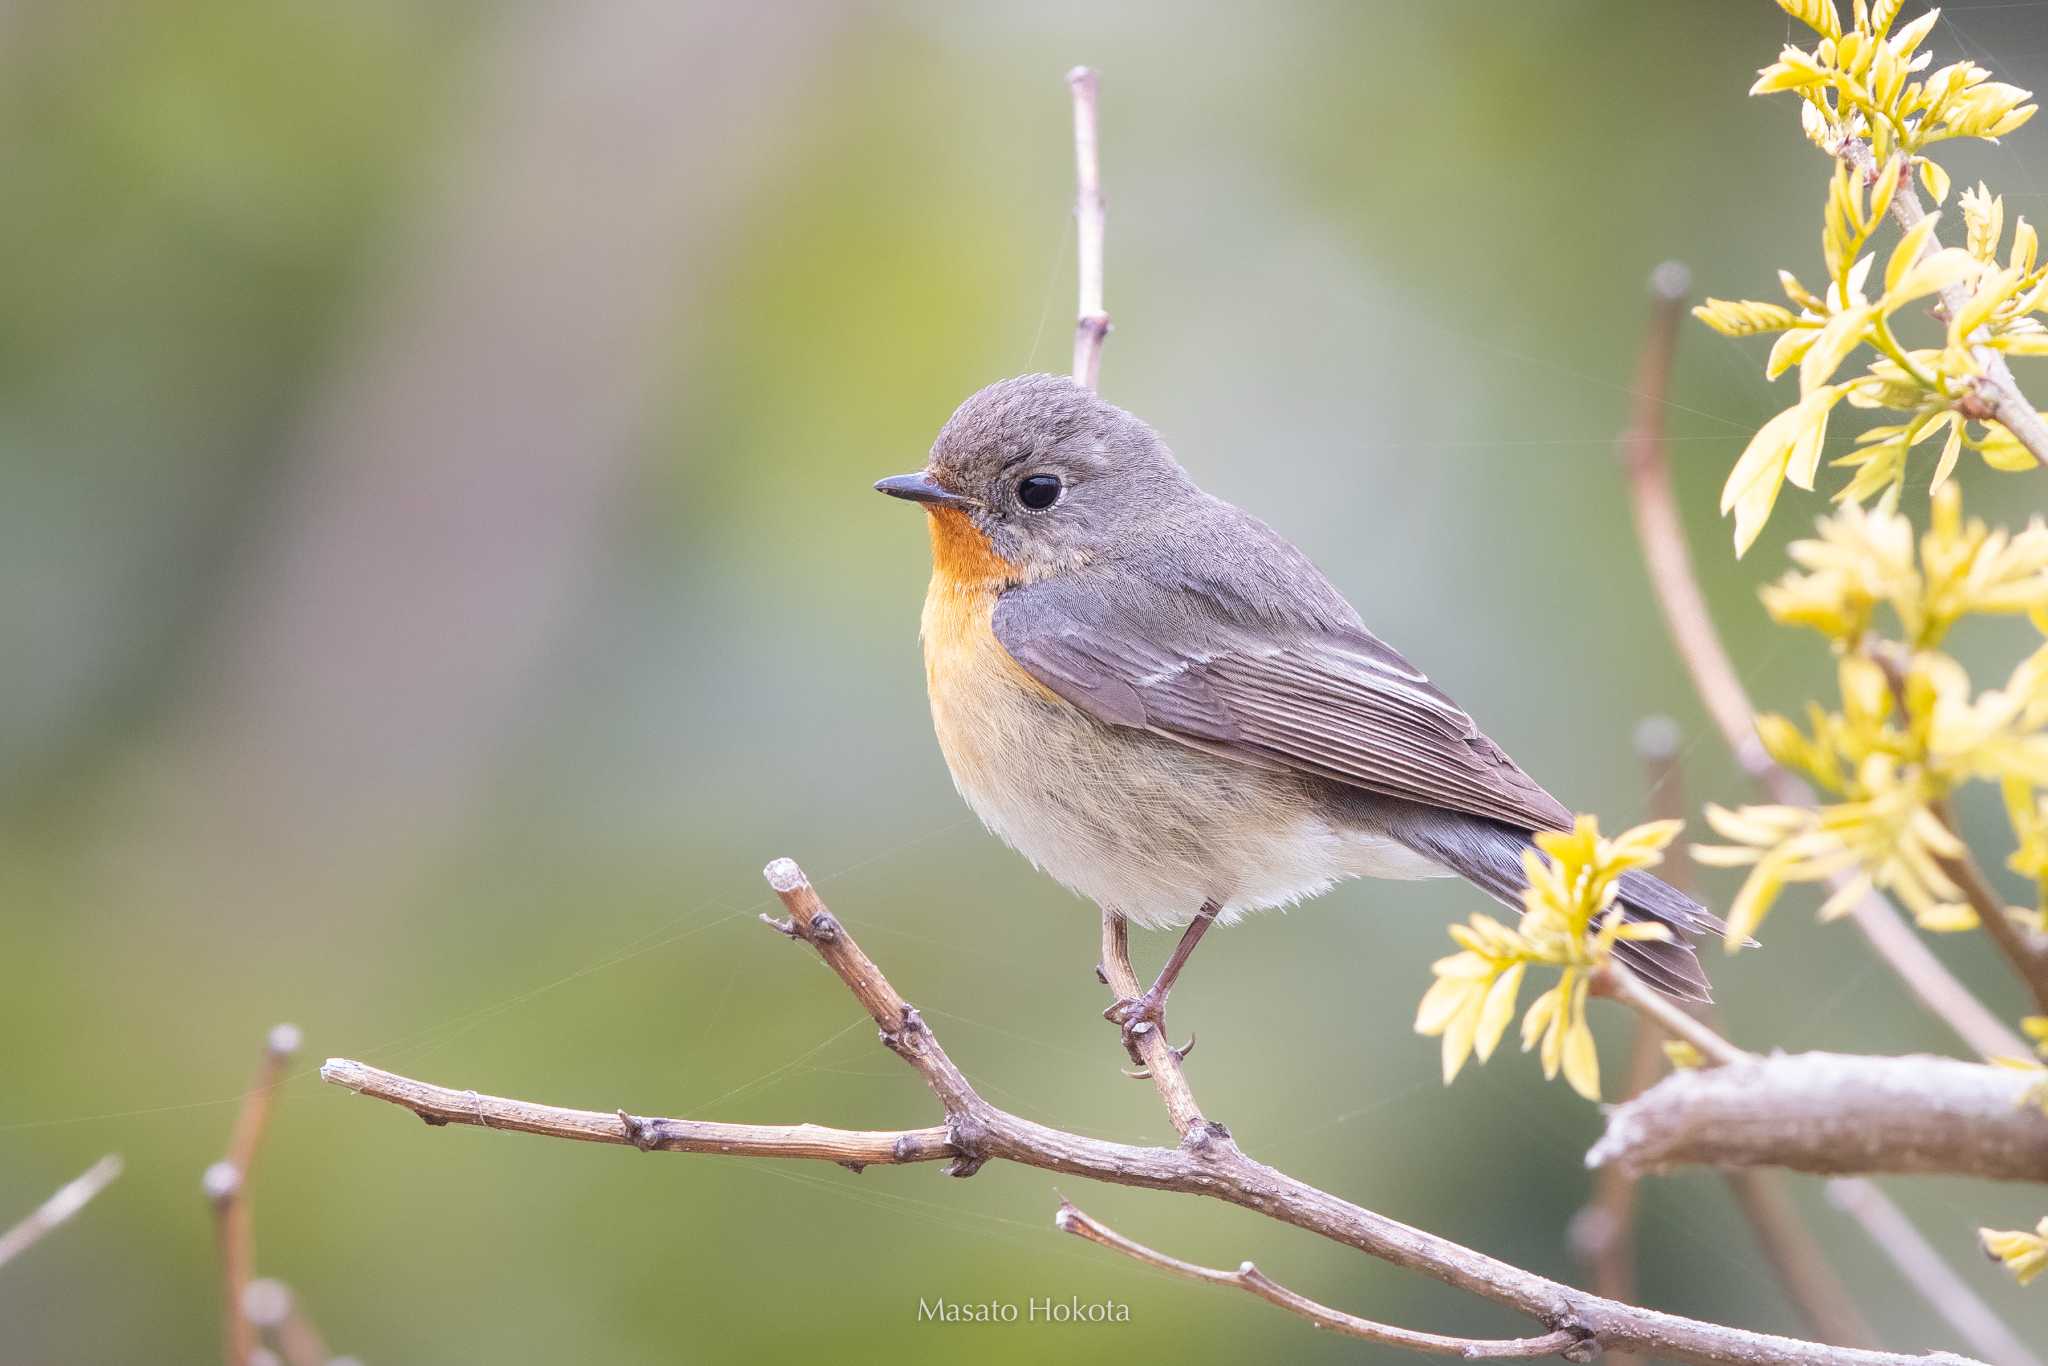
(1489, 856)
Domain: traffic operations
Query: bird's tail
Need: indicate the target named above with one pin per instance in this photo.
(1489, 855)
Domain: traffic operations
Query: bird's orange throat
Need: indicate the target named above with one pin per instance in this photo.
(962, 555)
(962, 657)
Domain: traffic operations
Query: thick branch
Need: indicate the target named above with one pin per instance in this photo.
(1669, 560)
(1836, 1114)
(1995, 394)
(1249, 1278)
(1209, 1163)
(1092, 326)
(67, 1200)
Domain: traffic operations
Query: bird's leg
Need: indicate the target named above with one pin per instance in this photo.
(1138, 1014)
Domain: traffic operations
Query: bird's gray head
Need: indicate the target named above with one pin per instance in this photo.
(1049, 474)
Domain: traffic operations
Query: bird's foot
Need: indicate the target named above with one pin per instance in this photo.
(1139, 1016)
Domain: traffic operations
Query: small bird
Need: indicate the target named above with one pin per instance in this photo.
(1161, 702)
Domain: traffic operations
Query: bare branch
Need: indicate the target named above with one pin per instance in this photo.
(67, 1200)
(1995, 394)
(1669, 560)
(1249, 1278)
(438, 1105)
(1924, 1269)
(1836, 1114)
(1208, 1162)
(1092, 327)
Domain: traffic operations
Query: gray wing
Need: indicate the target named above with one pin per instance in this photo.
(1319, 695)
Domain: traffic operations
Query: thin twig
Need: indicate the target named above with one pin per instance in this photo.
(1208, 1162)
(2023, 948)
(440, 1105)
(226, 1184)
(1092, 326)
(1249, 1278)
(64, 1202)
(1924, 1269)
(1994, 394)
(1666, 555)
(1836, 1114)
(1624, 986)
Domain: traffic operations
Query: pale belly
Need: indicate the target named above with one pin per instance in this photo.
(1138, 823)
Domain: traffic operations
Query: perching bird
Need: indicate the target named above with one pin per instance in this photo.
(1158, 700)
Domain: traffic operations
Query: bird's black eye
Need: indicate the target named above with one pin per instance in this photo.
(1039, 491)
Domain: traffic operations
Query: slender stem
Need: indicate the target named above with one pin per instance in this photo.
(1930, 1275)
(1669, 560)
(1624, 986)
(1092, 326)
(2025, 950)
(1249, 1278)
(66, 1201)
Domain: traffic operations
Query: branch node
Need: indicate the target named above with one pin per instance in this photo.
(221, 1182)
(644, 1134)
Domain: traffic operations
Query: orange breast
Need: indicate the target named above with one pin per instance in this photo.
(975, 686)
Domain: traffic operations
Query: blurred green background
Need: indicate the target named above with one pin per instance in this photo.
(438, 569)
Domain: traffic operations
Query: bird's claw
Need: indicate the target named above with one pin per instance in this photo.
(1138, 1016)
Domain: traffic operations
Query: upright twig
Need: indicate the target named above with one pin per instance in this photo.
(1666, 555)
(1092, 326)
(1207, 1162)
(226, 1184)
(67, 1200)
(1929, 1274)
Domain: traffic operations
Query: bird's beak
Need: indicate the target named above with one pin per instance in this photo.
(919, 488)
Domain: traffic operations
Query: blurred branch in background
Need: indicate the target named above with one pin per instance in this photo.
(67, 1200)
(1669, 560)
(1603, 1232)
(1928, 1273)
(450, 489)
(255, 1312)
(1206, 1162)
